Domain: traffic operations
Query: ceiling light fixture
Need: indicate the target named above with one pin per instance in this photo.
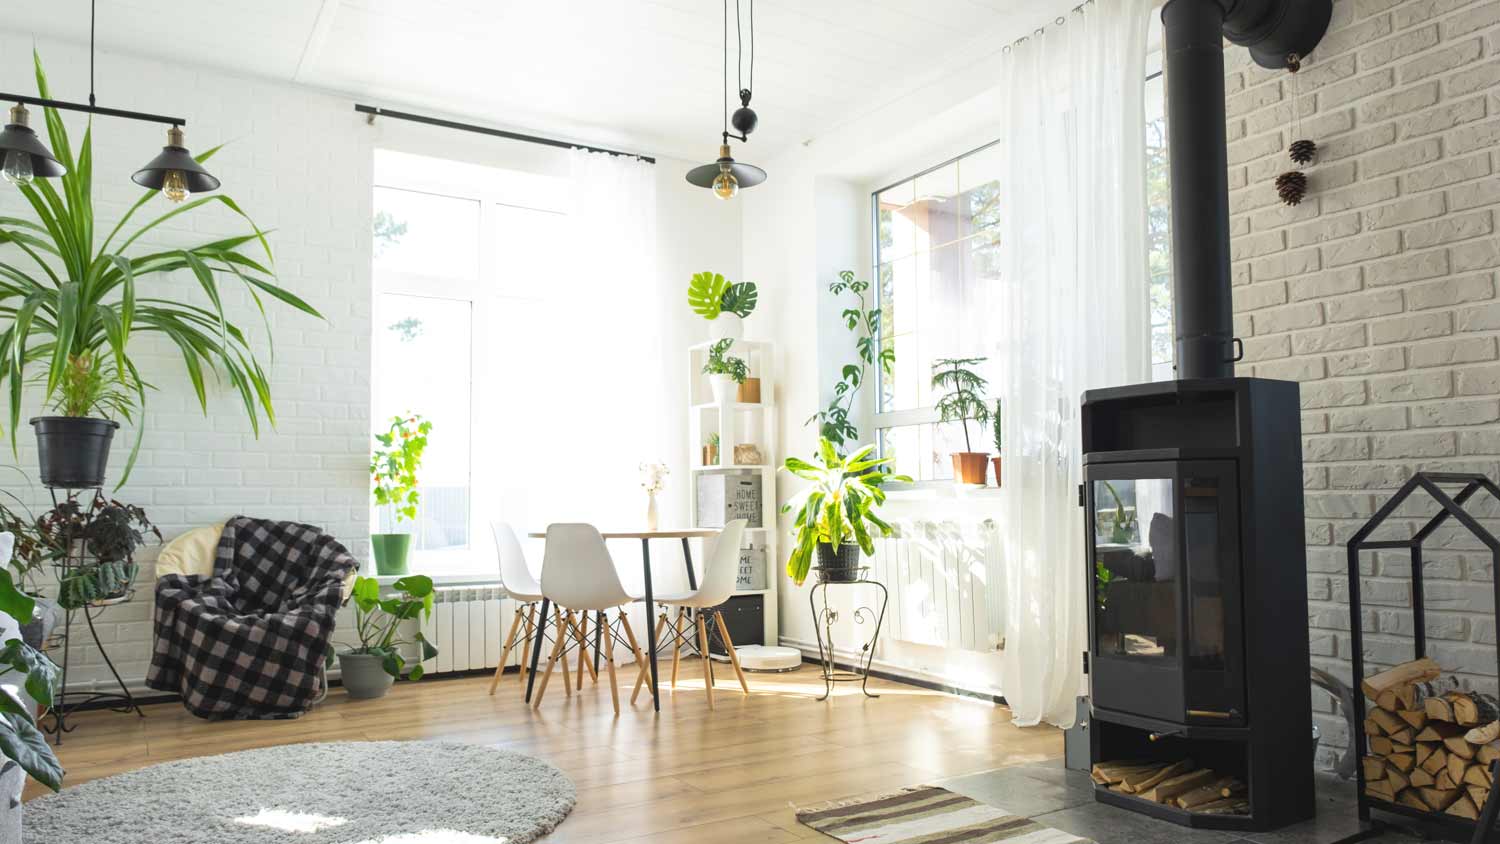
(726, 176)
(174, 172)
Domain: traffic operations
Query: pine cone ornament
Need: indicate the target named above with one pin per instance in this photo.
(1302, 151)
(1291, 186)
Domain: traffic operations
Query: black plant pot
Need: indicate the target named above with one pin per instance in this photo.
(73, 451)
(838, 565)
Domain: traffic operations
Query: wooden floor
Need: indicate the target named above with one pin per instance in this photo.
(686, 775)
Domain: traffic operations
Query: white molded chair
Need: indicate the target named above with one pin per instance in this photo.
(579, 577)
(720, 569)
(518, 582)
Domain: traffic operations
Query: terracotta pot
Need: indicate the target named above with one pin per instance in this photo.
(970, 467)
(749, 392)
(710, 455)
(996, 461)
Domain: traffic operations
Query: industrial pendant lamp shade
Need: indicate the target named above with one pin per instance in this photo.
(743, 175)
(22, 154)
(726, 176)
(174, 172)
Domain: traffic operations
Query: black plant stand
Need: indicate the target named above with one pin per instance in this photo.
(64, 703)
(823, 620)
(1427, 823)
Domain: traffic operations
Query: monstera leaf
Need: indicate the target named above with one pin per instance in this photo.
(706, 294)
(739, 299)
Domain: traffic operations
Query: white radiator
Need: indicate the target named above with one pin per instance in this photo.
(945, 581)
(468, 625)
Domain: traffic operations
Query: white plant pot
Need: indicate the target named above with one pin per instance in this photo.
(726, 327)
(724, 388)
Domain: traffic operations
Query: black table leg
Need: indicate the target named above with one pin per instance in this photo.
(687, 558)
(598, 638)
(650, 619)
(536, 650)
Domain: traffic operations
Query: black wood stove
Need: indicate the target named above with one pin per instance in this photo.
(1198, 644)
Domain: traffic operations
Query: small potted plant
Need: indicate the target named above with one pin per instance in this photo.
(995, 424)
(369, 669)
(725, 371)
(723, 303)
(836, 515)
(963, 399)
(73, 444)
(711, 450)
(94, 548)
(394, 462)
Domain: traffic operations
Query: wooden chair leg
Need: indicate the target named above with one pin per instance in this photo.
(582, 632)
(609, 661)
(557, 651)
(530, 631)
(708, 679)
(563, 626)
(677, 635)
(734, 658)
(510, 641)
(643, 673)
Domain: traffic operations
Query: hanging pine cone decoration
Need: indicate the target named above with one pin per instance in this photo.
(1302, 151)
(1291, 186)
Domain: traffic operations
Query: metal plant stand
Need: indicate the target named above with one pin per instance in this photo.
(57, 720)
(823, 621)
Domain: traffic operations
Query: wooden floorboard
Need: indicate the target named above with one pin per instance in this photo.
(731, 775)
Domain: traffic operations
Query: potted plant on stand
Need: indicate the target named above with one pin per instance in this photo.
(393, 470)
(369, 669)
(835, 515)
(75, 304)
(94, 549)
(995, 424)
(725, 371)
(962, 400)
(723, 303)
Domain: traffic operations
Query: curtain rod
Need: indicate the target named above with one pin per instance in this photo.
(376, 111)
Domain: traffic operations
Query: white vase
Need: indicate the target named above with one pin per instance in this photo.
(651, 516)
(724, 388)
(726, 327)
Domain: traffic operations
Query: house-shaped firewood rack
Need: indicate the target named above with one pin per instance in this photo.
(1446, 826)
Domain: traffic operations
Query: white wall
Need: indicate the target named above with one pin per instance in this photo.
(300, 163)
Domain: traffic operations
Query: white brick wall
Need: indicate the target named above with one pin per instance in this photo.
(1378, 293)
(298, 163)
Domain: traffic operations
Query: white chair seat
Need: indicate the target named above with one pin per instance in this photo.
(693, 599)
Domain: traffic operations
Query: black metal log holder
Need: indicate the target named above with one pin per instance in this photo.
(64, 703)
(1446, 826)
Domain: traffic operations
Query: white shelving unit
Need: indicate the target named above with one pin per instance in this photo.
(740, 423)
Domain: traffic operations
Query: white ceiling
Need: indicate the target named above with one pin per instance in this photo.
(639, 74)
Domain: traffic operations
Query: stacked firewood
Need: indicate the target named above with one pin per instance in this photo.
(1182, 784)
(1430, 747)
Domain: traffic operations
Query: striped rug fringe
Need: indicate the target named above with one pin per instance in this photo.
(926, 814)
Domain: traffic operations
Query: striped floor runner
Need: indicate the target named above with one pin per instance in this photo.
(926, 814)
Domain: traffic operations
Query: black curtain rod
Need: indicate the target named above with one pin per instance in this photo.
(91, 109)
(376, 111)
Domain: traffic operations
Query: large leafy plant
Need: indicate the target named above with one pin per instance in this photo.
(839, 506)
(75, 303)
(377, 622)
(710, 294)
(21, 740)
(963, 393)
(864, 322)
(394, 463)
(106, 533)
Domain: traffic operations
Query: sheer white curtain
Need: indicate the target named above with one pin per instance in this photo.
(1074, 306)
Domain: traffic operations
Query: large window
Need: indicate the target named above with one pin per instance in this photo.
(459, 251)
(1158, 215)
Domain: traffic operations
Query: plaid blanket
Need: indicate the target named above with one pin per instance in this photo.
(249, 641)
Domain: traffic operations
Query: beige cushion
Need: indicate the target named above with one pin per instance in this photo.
(194, 552)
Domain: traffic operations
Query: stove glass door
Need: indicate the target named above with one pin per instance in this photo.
(1136, 577)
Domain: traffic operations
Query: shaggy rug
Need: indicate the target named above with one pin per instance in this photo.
(384, 792)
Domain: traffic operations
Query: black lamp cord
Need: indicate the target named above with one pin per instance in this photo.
(739, 46)
(92, 12)
(722, 95)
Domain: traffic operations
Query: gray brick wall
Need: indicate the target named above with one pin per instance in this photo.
(1378, 294)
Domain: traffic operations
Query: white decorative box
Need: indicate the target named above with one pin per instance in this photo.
(725, 497)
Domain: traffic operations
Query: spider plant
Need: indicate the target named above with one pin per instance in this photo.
(76, 303)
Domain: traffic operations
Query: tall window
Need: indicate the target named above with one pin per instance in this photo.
(1158, 214)
(457, 251)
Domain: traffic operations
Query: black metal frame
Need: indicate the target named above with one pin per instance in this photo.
(90, 108)
(1451, 827)
(377, 111)
(823, 619)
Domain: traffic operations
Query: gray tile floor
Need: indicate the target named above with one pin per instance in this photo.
(1065, 799)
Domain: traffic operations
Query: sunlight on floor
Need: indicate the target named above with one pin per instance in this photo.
(435, 836)
(285, 821)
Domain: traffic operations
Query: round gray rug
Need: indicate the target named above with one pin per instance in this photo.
(385, 792)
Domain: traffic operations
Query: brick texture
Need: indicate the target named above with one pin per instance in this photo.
(1379, 294)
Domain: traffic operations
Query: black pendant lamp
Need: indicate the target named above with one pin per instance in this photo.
(25, 157)
(175, 172)
(726, 176)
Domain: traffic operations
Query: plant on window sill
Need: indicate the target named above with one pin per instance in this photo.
(864, 322)
(394, 462)
(962, 400)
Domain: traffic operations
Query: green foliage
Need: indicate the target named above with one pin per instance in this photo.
(739, 299)
(840, 504)
(963, 393)
(91, 385)
(386, 231)
(1102, 579)
(377, 622)
(15, 518)
(713, 439)
(995, 424)
(1122, 526)
(100, 540)
(864, 322)
(719, 363)
(72, 303)
(394, 462)
(706, 294)
(20, 739)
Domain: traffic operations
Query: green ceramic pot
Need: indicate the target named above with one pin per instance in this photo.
(390, 552)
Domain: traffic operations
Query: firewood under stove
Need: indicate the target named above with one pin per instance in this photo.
(1430, 748)
(1180, 783)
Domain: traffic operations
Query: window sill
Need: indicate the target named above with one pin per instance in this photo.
(940, 490)
(444, 579)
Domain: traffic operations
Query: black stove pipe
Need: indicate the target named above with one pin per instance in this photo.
(1194, 32)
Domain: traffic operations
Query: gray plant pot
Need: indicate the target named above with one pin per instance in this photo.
(12, 781)
(363, 676)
